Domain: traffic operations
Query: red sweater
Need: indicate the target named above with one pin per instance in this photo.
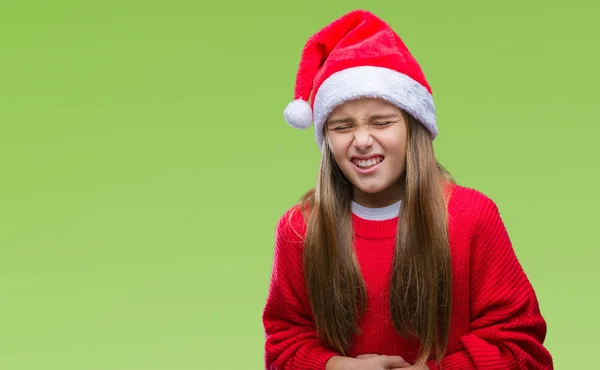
(495, 322)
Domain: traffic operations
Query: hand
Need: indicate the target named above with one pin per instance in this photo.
(418, 367)
(380, 362)
(366, 362)
(406, 367)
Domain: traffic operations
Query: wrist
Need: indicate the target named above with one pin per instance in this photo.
(340, 363)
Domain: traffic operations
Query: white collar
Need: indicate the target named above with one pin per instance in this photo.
(377, 214)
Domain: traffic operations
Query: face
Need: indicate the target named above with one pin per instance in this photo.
(367, 138)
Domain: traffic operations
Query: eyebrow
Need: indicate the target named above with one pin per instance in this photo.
(374, 117)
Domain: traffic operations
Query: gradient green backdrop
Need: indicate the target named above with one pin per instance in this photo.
(145, 162)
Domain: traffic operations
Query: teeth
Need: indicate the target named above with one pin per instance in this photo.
(370, 162)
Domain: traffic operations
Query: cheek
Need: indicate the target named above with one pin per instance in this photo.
(339, 151)
(398, 158)
(396, 153)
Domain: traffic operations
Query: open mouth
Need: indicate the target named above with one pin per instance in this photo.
(367, 164)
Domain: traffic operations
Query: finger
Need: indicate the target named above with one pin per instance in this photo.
(367, 355)
(394, 361)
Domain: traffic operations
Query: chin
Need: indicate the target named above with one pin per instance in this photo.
(372, 189)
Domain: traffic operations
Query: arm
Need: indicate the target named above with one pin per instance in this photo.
(508, 330)
(291, 337)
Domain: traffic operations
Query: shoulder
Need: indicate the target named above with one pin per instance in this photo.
(291, 225)
(471, 201)
(479, 215)
(473, 210)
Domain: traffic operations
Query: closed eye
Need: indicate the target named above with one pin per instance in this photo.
(347, 127)
(341, 128)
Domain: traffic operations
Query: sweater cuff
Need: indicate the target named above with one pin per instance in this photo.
(312, 358)
(475, 354)
(456, 361)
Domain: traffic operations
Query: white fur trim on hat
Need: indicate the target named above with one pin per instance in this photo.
(375, 82)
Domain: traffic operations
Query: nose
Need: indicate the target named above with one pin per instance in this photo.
(362, 138)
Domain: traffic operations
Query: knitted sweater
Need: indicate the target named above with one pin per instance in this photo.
(495, 322)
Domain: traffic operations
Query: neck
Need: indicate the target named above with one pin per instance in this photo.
(384, 198)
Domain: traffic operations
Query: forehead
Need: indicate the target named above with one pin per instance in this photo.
(364, 108)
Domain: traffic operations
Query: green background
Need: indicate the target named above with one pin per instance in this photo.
(145, 162)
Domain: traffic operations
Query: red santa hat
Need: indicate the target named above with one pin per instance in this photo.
(357, 55)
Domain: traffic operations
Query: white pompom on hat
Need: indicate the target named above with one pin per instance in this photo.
(298, 114)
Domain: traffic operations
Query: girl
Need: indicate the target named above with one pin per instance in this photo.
(388, 263)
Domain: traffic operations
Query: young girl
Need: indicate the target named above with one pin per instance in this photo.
(388, 263)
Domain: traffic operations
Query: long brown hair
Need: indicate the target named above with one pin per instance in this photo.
(420, 290)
